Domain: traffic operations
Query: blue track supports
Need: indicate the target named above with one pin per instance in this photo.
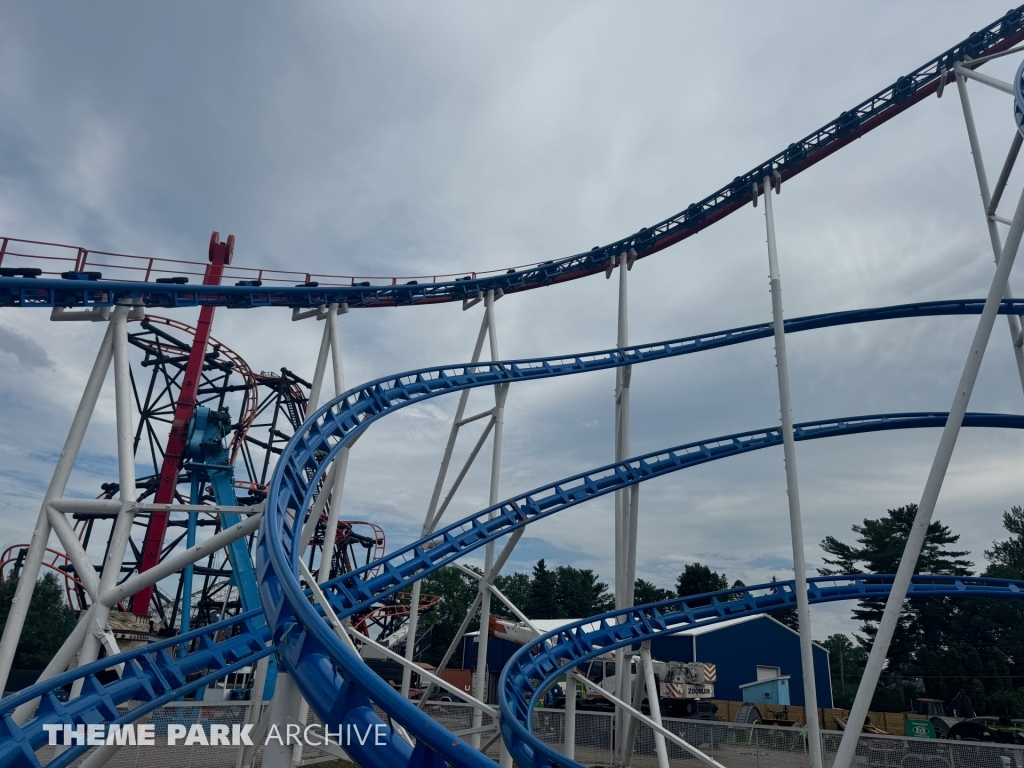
(538, 665)
(850, 125)
(335, 681)
(154, 676)
(331, 677)
(209, 460)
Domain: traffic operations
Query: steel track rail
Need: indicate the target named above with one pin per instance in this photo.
(153, 677)
(539, 664)
(314, 654)
(912, 88)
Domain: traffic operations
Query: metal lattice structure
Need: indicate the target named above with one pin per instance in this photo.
(327, 590)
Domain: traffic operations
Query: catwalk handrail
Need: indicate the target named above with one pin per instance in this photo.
(540, 663)
(849, 126)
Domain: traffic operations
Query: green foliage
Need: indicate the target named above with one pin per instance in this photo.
(645, 592)
(898, 697)
(974, 645)
(565, 592)
(696, 579)
(846, 665)
(457, 592)
(543, 602)
(1009, 554)
(47, 625)
(516, 587)
(579, 594)
(881, 542)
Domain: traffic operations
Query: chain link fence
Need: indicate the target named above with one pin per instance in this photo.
(731, 744)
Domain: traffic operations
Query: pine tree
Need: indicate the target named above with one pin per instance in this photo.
(696, 579)
(1008, 556)
(516, 587)
(543, 594)
(579, 593)
(881, 543)
(47, 625)
(457, 592)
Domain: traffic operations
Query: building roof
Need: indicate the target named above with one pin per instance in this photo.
(544, 625)
(709, 628)
(550, 625)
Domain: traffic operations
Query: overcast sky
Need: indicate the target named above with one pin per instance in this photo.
(406, 138)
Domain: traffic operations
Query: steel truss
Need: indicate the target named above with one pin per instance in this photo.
(304, 494)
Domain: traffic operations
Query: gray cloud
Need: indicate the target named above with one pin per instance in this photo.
(411, 138)
(28, 352)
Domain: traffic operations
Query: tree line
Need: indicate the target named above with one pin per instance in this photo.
(941, 646)
(562, 592)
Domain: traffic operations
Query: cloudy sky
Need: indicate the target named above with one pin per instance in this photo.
(407, 138)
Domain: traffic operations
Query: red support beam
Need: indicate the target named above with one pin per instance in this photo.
(220, 256)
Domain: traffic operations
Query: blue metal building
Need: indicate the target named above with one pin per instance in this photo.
(744, 650)
(747, 650)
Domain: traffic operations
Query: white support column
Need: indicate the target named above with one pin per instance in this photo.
(247, 755)
(284, 707)
(500, 394)
(58, 482)
(633, 725)
(569, 747)
(792, 489)
(122, 530)
(986, 198)
(626, 500)
(930, 495)
(292, 704)
(338, 487)
(318, 371)
(432, 517)
(655, 703)
(650, 723)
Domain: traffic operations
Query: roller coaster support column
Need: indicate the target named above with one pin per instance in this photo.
(991, 202)
(498, 420)
(626, 501)
(436, 508)
(792, 484)
(908, 562)
(58, 482)
(121, 533)
(652, 687)
(569, 749)
(287, 701)
(338, 488)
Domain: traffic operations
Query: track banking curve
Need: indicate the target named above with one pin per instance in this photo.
(154, 676)
(549, 657)
(333, 679)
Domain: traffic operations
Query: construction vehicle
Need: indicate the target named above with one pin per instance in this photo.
(685, 689)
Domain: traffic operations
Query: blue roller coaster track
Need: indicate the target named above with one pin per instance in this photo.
(333, 679)
(539, 664)
(849, 126)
